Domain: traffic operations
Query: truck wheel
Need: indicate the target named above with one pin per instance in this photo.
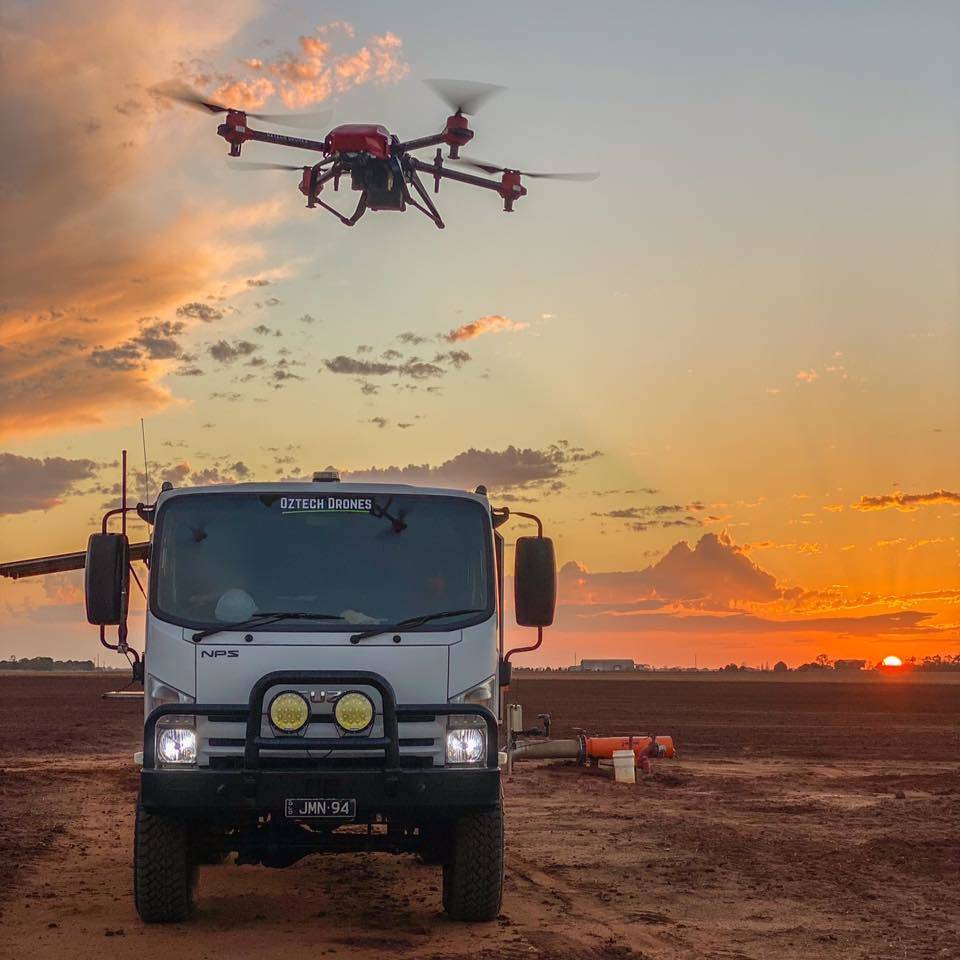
(473, 873)
(164, 872)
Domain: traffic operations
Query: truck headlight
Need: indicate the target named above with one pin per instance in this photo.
(466, 740)
(481, 694)
(176, 741)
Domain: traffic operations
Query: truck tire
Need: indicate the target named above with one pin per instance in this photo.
(473, 872)
(164, 871)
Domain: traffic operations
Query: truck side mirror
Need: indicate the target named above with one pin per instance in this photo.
(107, 578)
(535, 581)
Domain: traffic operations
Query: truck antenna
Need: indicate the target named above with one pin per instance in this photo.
(146, 469)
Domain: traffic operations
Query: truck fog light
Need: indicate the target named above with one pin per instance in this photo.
(289, 711)
(176, 745)
(466, 745)
(353, 711)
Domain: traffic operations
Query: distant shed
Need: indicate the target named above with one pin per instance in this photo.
(607, 666)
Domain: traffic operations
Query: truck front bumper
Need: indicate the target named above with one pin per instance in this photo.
(414, 794)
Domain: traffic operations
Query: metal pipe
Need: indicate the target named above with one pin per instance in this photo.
(595, 748)
(549, 750)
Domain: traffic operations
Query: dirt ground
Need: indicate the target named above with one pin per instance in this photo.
(814, 820)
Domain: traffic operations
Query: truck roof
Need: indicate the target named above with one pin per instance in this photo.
(318, 489)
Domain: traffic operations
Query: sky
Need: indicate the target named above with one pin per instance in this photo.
(726, 373)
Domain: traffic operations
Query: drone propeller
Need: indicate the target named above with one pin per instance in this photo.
(180, 92)
(493, 168)
(463, 96)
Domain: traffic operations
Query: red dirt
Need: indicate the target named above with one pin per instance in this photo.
(813, 820)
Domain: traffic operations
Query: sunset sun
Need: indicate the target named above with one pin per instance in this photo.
(892, 661)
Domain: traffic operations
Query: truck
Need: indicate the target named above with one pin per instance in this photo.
(323, 672)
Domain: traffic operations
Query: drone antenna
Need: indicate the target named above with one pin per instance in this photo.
(146, 468)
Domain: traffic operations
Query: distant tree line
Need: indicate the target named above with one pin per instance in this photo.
(930, 664)
(45, 663)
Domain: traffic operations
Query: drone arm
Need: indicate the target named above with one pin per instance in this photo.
(445, 173)
(432, 141)
(237, 133)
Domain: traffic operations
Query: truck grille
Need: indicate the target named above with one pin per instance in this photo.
(221, 745)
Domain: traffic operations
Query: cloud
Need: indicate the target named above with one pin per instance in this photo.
(806, 376)
(28, 483)
(224, 352)
(716, 571)
(906, 502)
(512, 467)
(155, 341)
(200, 311)
(182, 473)
(662, 515)
(88, 274)
(897, 624)
(413, 368)
(456, 358)
(715, 590)
(363, 368)
(312, 74)
(716, 568)
(477, 328)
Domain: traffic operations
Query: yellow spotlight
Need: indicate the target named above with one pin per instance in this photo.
(289, 711)
(353, 711)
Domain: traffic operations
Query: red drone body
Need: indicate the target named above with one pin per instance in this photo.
(381, 167)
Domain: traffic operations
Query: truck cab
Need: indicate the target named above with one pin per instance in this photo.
(322, 673)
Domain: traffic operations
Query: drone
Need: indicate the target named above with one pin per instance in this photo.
(381, 166)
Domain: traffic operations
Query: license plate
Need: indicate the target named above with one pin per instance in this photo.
(304, 807)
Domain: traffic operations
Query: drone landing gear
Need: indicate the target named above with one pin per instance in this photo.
(346, 221)
(428, 206)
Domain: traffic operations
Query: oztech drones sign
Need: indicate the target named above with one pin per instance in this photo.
(290, 505)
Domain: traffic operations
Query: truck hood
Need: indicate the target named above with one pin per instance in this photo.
(419, 673)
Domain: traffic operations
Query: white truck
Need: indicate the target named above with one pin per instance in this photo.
(322, 673)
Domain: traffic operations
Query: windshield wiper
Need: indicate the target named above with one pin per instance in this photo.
(410, 622)
(260, 619)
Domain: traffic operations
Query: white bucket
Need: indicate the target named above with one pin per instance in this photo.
(624, 766)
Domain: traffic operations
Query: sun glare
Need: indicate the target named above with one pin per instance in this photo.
(892, 661)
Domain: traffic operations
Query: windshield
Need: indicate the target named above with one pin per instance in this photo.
(364, 559)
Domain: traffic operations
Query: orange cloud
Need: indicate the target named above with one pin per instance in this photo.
(314, 73)
(245, 94)
(494, 323)
(906, 502)
(85, 275)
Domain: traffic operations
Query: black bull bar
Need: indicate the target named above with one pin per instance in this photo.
(252, 714)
